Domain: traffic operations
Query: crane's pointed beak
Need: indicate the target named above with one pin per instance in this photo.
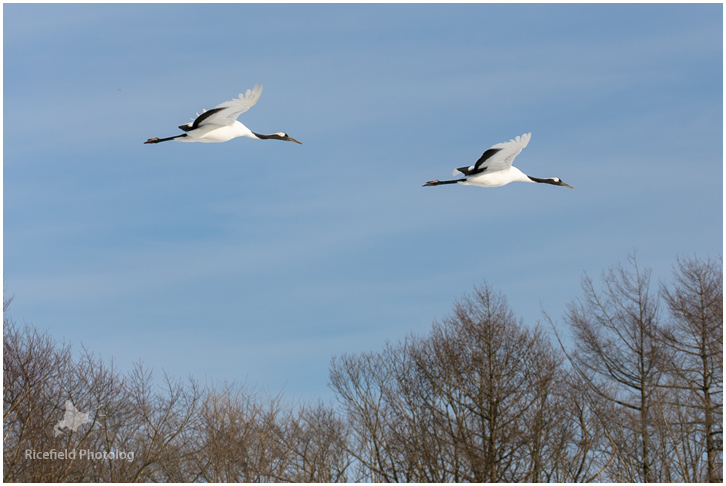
(290, 139)
(566, 184)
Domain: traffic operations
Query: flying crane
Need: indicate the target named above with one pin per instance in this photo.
(494, 168)
(220, 123)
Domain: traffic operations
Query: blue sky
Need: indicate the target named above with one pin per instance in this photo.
(258, 261)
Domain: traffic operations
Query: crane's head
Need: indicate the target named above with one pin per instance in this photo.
(559, 182)
(284, 136)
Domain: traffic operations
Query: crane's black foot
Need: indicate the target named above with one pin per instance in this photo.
(434, 182)
(152, 140)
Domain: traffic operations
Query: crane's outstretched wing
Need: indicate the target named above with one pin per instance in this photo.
(498, 157)
(226, 113)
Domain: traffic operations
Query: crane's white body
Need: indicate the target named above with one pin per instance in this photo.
(497, 169)
(496, 179)
(220, 123)
(209, 133)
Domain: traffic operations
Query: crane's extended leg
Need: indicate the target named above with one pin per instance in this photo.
(437, 182)
(157, 140)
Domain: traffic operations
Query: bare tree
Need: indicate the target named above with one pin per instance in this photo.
(616, 338)
(470, 402)
(313, 439)
(123, 416)
(31, 361)
(360, 382)
(175, 431)
(695, 365)
(480, 398)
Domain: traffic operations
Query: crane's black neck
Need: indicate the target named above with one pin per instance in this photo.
(274, 136)
(546, 181)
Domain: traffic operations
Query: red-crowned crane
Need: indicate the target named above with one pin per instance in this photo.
(220, 123)
(494, 168)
